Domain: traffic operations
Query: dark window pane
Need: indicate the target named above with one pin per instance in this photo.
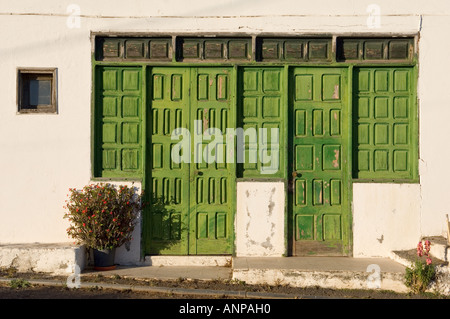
(39, 92)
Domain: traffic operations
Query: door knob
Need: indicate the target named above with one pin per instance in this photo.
(296, 174)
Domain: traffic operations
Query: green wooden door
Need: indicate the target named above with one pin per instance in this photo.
(318, 170)
(191, 212)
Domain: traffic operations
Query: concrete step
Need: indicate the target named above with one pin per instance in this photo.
(166, 272)
(408, 257)
(441, 284)
(439, 247)
(56, 258)
(188, 261)
(325, 272)
(438, 252)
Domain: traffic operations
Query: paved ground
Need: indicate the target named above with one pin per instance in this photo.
(116, 286)
(175, 288)
(217, 297)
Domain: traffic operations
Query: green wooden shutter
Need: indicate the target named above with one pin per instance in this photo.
(118, 122)
(385, 124)
(262, 106)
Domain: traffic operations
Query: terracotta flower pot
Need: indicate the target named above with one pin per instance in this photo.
(104, 259)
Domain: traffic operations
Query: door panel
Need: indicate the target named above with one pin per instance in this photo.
(168, 212)
(318, 170)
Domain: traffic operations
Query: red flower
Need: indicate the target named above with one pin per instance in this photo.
(427, 246)
(419, 249)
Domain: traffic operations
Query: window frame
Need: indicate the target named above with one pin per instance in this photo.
(45, 73)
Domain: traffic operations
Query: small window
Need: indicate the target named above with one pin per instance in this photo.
(37, 90)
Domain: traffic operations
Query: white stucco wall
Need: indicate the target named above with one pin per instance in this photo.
(434, 102)
(43, 155)
(386, 217)
(260, 219)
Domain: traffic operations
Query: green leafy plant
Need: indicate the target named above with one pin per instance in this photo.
(19, 283)
(422, 272)
(102, 216)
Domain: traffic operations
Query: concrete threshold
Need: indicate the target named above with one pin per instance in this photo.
(166, 272)
(221, 261)
(316, 263)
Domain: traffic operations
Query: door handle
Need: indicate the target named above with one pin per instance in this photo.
(291, 181)
(197, 172)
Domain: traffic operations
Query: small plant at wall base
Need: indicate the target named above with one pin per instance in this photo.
(422, 272)
(102, 217)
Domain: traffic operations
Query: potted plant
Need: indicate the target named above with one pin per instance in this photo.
(102, 217)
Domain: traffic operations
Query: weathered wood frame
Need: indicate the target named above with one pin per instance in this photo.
(38, 73)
